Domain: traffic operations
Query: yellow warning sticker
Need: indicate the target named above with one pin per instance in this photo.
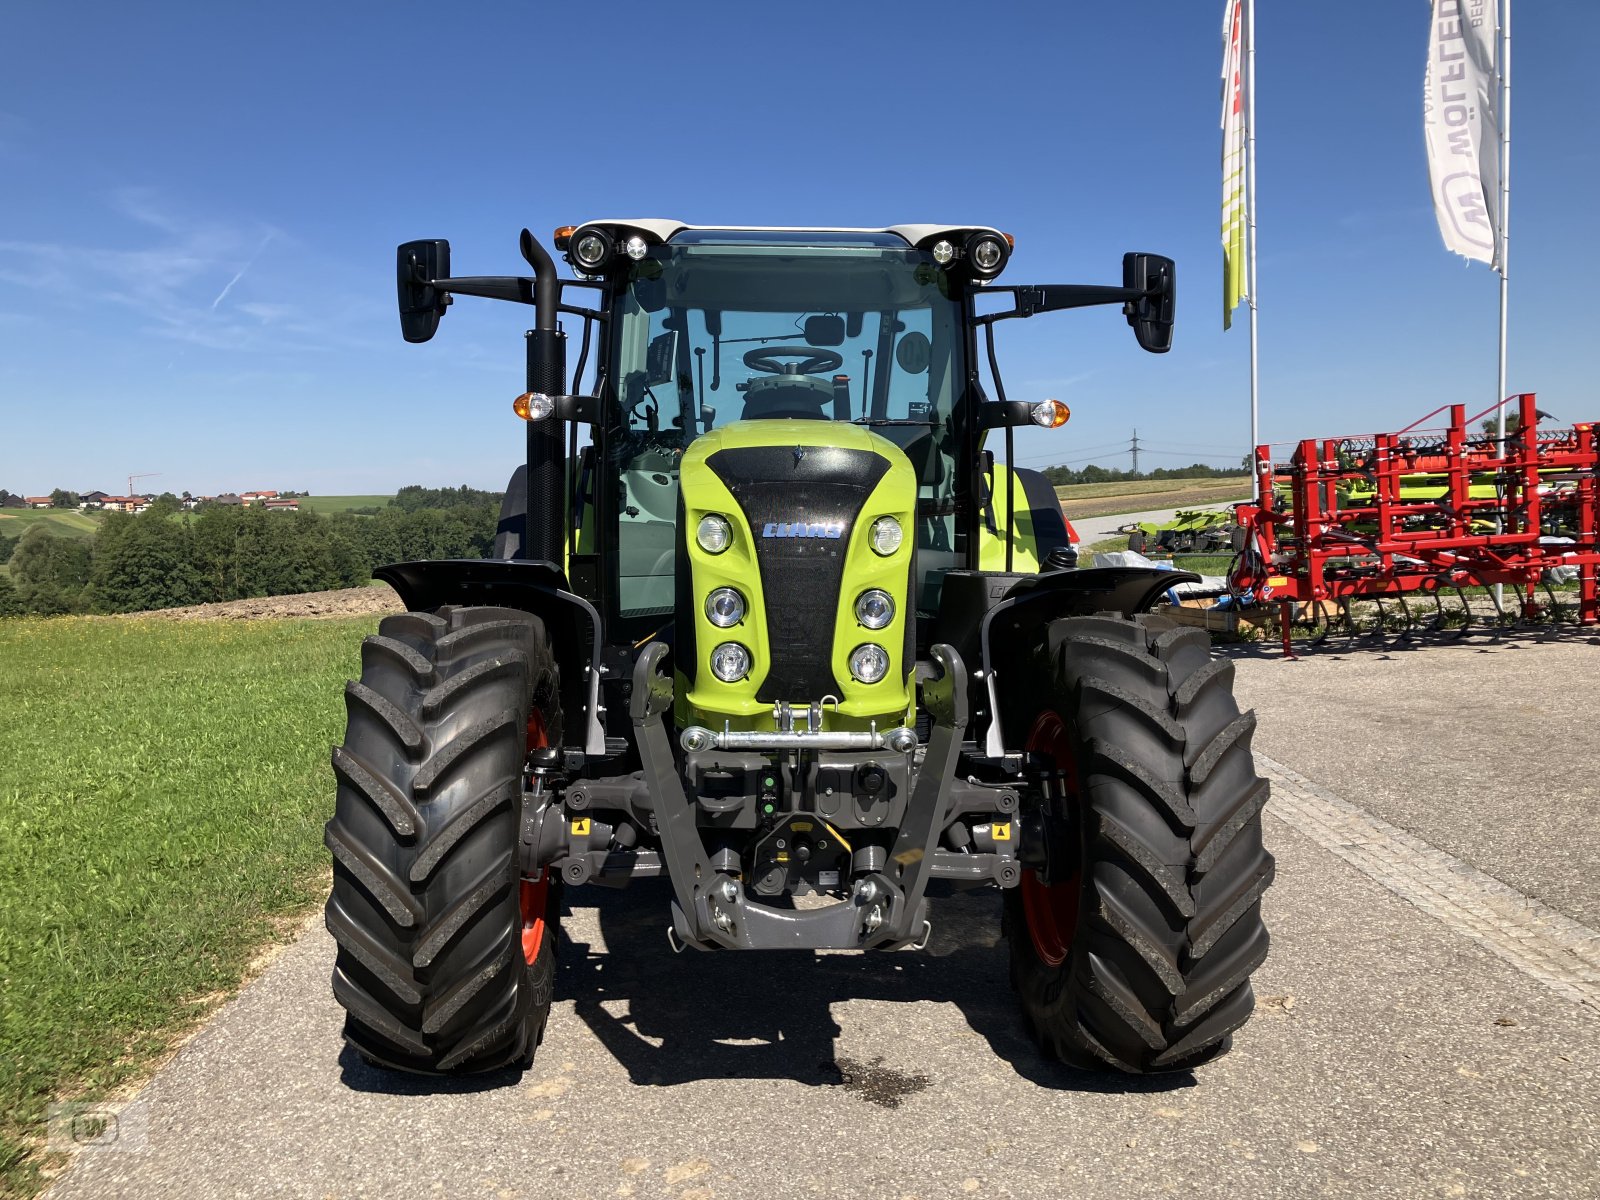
(1002, 831)
(801, 826)
(906, 857)
(1277, 581)
(782, 856)
(580, 826)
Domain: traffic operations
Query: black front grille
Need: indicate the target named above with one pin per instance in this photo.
(819, 488)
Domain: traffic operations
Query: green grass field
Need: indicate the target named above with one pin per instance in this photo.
(333, 504)
(57, 520)
(163, 786)
(1140, 495)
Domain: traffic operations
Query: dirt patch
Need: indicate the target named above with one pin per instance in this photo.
(377, 600)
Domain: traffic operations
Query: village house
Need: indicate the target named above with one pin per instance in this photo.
(92, 499)
(38, 501)
(289, 505)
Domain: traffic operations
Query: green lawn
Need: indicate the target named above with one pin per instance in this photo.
(57, 520)
(162, 790)
(333, 504)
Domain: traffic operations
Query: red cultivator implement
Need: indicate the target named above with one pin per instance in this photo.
(1377, 533)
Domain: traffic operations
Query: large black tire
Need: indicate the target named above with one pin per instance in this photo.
(1133, 950)
(428, 908)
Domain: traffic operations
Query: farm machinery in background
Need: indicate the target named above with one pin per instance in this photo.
(1191, 531)
(1424, 515)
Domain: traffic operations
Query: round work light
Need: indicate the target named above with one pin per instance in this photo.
(714, 533)
(869, 663)
(730, 662)
(886, 536)
(592, 249)
(874, 608)
(724, 607)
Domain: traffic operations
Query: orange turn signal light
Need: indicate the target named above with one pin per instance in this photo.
(1011, 242)
(564, 235)
(1050, 414)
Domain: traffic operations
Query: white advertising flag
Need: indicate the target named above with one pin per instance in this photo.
(1234, 275)
(1461, 123)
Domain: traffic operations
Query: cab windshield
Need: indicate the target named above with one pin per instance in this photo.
(801, 327)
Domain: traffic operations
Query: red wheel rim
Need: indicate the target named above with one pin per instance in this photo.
(1051, 909)
(535, 893)
(535, 896)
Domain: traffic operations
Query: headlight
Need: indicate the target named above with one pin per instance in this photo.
(943, 252)
(874, 608)
(730, 662)
(869, 663)
(886, 535)
(592, 250)
(724, 607)
(714, 534)
(987, 252)
(635, 247)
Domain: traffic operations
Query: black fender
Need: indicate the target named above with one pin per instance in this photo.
(539, 588)
(1010, 633)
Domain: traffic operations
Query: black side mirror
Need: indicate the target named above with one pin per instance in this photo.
(422, 304)
(1151, 314)
(824, 331)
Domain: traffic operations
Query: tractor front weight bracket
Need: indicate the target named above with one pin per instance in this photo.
(711, 908)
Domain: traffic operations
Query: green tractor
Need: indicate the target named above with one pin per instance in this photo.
(767, 620)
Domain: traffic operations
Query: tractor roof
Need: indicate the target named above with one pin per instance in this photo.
(678, 233)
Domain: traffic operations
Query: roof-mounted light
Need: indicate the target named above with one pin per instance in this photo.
(563, 237)
(987, 253)
(592, 249)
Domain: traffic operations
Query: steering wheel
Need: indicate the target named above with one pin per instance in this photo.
(811, 360)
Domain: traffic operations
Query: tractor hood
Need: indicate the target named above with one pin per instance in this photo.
(801, 500)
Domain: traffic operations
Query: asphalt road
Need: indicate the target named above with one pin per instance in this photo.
(1390, 1055)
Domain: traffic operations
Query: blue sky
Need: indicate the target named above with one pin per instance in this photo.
(202, 202)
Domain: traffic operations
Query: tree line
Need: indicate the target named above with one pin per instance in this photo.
(1063, 476)
(164, 557)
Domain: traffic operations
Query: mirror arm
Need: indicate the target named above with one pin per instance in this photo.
(518, 289)
(515, 288)
(1052, 297)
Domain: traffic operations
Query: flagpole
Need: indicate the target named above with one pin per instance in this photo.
(1505, 206)
(1250, 211)
(1503, 10)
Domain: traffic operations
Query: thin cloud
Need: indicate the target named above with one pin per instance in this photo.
(228, 287)
(169, 278)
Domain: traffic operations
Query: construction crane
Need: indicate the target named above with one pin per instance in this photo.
(131, 478)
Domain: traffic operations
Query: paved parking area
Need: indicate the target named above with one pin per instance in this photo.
(1392, 1053)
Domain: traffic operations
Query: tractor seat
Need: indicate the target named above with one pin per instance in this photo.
(776, 397)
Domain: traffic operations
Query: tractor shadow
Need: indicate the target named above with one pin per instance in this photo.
(675, 1018)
